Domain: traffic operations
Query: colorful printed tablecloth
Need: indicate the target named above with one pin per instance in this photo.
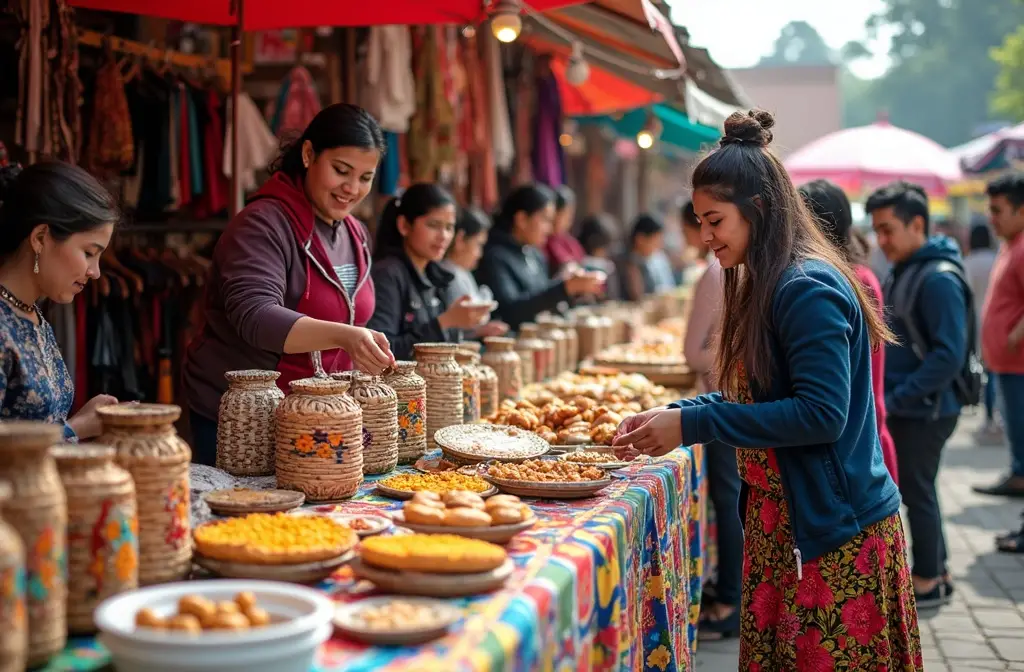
(594, 578)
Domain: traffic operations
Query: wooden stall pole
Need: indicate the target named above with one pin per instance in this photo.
(236, 88)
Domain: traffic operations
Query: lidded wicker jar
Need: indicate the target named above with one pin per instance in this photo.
(158, 461)
(320, 440)
(411, 392)
(572, 343)
(245, 423)
(472, 346)
(13, 619)
(471, 385)
(552, 332)
(37, 510)
(443, 376)
(542, 349)
(489, 398)
(507, 365)
(103, 530)
(590, 336)
(380, 423)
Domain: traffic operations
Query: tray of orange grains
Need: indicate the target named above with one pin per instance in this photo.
(281, 547)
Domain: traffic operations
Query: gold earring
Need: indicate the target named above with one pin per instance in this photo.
(35, 267)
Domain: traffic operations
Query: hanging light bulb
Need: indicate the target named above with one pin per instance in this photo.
(505, 22)
(645, 139)
(469, 32)
(649, 133)
(578, 71)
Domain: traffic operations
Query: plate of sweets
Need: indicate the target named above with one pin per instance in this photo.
(432, 565)
(548, 479)
(598, 456)
(395, 621)
(497, 519)
(475, 443)
(274, 546)
(404, 486)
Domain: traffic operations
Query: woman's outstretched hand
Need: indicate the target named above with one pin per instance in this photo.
(655, 432)
(369, 349)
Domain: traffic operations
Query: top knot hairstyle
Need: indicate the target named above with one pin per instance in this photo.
(753, 128)
(745, 172)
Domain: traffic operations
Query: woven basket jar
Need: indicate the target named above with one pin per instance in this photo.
(245, 423)
(572, 343)
(489, 398)
(158, 461)
(502, 357)
(411, 391)
(443, 376)
(550, 331)
(472, 346)
(471, 385)
(543, 351)
(37, 510)
(13, 619)
(380, 423)
(320, 440)
(103, 530)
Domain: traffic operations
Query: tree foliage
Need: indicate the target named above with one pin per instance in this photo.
(799, 43)
(1008, 97)
(942, 75)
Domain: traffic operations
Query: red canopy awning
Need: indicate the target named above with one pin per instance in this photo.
(270, 14)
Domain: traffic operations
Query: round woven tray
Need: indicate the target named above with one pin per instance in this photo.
(495, 442)
(307, 572)
(498, 534)
(433, 585)
(236, 502)
(546, 490)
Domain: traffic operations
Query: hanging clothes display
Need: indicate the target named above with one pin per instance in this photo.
(111, 148)
(389, 89)
(548, 156)
(476, 137)
(257, 145)
(298, 102)
(501, 127)
(431, 129)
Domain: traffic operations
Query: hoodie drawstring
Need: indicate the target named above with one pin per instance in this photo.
(308, 271)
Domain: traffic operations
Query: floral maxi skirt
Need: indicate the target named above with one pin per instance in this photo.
(850, 610)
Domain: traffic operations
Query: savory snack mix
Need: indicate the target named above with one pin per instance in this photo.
(588, 457)
(197, 614)
(398, 615)
(432, 553)
(274, 539)
(546, 471)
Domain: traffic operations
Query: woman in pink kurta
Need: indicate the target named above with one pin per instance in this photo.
(831, 209)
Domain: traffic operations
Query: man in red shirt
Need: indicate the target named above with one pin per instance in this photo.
(1002, 329)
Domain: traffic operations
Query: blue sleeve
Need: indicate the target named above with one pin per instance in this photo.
(711, 398)
(813, 330)
(944, 317)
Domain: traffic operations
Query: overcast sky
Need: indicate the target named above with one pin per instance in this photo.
(739, 32)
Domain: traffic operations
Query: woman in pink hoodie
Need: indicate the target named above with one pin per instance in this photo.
(831, 209)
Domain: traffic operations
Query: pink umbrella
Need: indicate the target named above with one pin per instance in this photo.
(866, 157)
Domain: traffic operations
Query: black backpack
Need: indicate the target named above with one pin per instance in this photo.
(903, 294)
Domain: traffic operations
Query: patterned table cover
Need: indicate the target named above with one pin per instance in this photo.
(593, 578)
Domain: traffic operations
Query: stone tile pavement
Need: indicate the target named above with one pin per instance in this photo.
(983, 628)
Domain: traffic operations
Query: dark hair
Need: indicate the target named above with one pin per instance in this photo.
(689, 216)
(595, 232)
(528, 198)
(645, 225)
(64, 197)
(416, 201)
(744, 172)
(338, 125)
(1010, 186)
(831, 210)
(472, 221)
(564, 197)
(906, 200)
(981, 238)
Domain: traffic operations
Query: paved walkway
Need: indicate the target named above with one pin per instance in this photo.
(983, 628)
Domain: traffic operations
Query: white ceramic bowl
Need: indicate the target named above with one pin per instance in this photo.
(302, 622)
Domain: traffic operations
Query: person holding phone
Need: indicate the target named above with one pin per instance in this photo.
(416, 230)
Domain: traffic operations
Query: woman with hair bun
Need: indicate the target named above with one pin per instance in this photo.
(291, 273)
(826, 584)
(55, 222)
(415, 232)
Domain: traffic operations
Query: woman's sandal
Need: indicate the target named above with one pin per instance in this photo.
(1011, 543)
(711, 629)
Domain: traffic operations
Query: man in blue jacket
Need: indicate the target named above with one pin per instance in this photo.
(927, 309)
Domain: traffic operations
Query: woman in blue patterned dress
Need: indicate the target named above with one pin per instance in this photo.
(55, 221)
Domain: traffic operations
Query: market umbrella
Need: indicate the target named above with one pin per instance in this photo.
(867, 157)
(269, 14)
(995, 151)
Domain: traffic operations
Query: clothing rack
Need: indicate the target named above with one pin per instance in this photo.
(221, 66)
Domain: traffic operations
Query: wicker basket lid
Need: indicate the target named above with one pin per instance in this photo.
(29, 434)
(139, 415)
(365, 385)
(83, 454)
(436, 348)
(405, 367)
(500, 343)
(335, 384)
(528, 330)
(252, 376)
(472, 346)
(466, 357)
